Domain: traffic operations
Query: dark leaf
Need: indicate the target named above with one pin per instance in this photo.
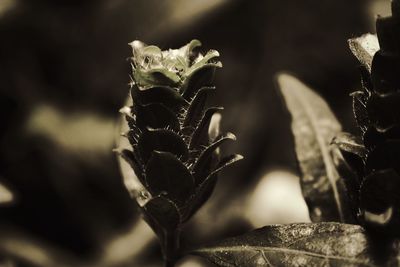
(196, 108)
(351, 168)
(161, 140)
(384, 156)
(156, 116)
(201, 77)
(385, 71)
(200, 134)
(384, 111)
(223, 163)
(388, 31)
(313, 127)
(165, 174)
(316, 244)
(380, 201)
(162, 213)
(372, 137)
(201, 163)
(199, 198)
(168, 96)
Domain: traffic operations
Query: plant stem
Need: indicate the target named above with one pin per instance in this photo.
(171, 247)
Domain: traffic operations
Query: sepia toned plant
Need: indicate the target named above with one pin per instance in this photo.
(175, 144)
(375, 157)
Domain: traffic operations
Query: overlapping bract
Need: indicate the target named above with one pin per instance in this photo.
(173, 154)
(376, 157)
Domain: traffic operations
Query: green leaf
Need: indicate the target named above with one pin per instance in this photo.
(302, 244)
(313, 127)
(165, 174)
(161, 140)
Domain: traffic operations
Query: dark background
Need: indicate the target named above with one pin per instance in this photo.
(61, 59)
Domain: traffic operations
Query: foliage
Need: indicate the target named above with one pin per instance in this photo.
(375, 157)
(175, 152)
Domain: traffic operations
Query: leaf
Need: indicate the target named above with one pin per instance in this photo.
(168, 96)
(364, 48)
(302, 244)
(204, 157)
(200, 134)
(161, 140)
(165, 174)
(196, 108)
(162, 213)
(313, 127)
(156, 115)
(350, 143)
(379, 201)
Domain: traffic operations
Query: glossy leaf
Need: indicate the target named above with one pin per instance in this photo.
(302, 244)
(165, 174)
(313, 127)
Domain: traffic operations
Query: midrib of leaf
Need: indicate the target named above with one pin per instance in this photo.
(283, 250)
(325, 154)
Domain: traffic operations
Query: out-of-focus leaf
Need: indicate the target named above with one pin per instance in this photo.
(6, 196)
(303, 244)
(364, 48)
(313, 127)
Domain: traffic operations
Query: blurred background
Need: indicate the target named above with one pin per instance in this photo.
(64, 75)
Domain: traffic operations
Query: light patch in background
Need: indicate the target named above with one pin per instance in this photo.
(379, 7)
(277, 198)
(180, 14)
(182, 11)
(6, 196)
(80, 131)
(6, 6)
